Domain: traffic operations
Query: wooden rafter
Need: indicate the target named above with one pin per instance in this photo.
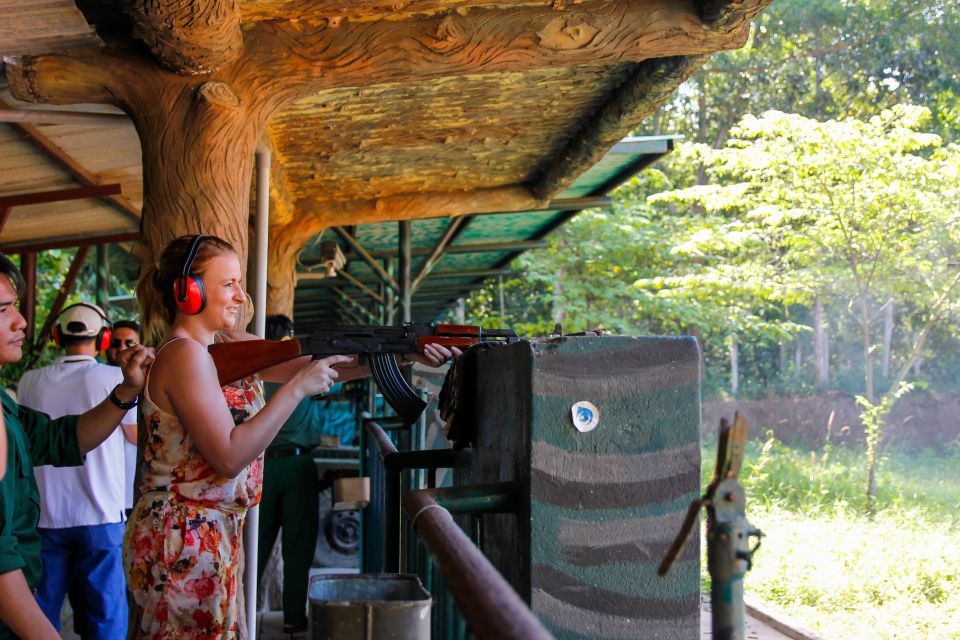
(72, 241)
(28, 305)
(49, 116)
(364, 288)
(59, 195)
(4, 216)
(363, 253)
(454, 228)
(41, 27)
(61, 298)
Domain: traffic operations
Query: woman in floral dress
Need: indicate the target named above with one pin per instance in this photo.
(203, 445)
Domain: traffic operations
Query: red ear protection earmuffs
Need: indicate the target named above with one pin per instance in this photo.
(188, 288)
(102, 338)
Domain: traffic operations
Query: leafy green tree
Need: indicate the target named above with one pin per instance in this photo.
(863, 210)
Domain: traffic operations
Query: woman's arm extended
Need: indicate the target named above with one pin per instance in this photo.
(186, 378)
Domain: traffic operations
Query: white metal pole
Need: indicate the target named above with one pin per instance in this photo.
(252, 539)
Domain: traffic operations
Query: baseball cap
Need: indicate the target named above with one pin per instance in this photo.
(81, 320)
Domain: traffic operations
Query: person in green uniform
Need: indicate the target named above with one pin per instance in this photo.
(34, 439)
(290, 492)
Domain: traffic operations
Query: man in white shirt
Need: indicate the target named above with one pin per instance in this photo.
(82, 508)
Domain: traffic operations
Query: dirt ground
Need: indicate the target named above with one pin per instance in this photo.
(918, 420)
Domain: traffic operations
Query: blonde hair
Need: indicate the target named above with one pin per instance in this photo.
(158, 308)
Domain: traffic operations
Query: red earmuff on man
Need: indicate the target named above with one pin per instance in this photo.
(83, 320)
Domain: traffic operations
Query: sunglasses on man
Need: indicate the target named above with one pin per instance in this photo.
(117, 343)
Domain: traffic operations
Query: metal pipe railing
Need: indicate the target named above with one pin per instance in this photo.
(488, 602)
(385, 481)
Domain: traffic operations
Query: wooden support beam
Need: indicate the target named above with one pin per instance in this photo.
(65, 289)
(363, 253)
(49, 116)
(364, 288)
(41, 27)
(455, 227)
(416, 206)
(4, 216)
(28, 305)
(70, 241)
(59, 195)
(488, 40)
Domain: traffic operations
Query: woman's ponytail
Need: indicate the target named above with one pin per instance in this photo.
(156, 314)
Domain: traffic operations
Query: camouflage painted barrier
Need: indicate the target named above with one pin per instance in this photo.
(604, 486)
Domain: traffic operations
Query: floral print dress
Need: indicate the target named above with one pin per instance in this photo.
(182, 549)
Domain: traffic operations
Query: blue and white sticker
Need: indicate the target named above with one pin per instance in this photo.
(586, 416)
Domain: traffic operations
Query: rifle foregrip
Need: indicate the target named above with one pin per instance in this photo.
(398, 394)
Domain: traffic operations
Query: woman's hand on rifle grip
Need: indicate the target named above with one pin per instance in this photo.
(317, 376)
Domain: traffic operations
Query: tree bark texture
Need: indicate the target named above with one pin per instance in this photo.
(285, 244)
(866, 335)
(821, 375)
(188, 36)
(887, 337)
(734, 366)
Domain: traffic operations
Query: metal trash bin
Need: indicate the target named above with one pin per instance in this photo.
(368, 606)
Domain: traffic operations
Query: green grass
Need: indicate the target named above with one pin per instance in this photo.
(840, 573)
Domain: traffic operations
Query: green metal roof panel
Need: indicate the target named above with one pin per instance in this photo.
(316, 301)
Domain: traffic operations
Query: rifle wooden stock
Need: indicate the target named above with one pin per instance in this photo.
(236, 360)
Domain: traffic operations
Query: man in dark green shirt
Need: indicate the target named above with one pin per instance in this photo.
(34, 439)
(291, 489)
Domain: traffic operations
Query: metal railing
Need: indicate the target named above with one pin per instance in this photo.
(468, 590)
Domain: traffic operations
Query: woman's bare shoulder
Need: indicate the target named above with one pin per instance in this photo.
(179, 353)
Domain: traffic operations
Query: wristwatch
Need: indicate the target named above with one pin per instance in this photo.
(126, 406)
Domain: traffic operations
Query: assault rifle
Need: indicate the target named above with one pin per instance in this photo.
(375, 346)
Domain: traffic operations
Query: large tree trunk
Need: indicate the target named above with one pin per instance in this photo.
(734, 366)
(821, 368)
(887, 337)
(866, 338)
(198, 146)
